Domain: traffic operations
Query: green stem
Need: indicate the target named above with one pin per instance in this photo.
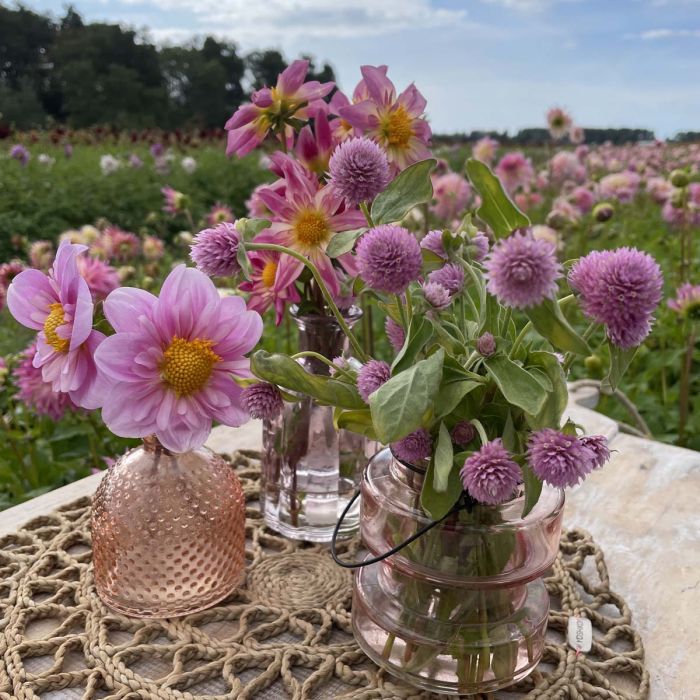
(368, 217)
(519, 339)
(409, 307)
(325, 360)
(357, 348)
(684, 395)
(571, 356)
(402, 311)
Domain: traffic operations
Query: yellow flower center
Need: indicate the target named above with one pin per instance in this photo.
(269, 273)
(311, 229)
(187, 365)
(52, 322)
(396, 127)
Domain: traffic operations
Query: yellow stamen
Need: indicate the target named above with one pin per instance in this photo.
(268, 273)
(396, 127)
(187, 365)
(311, 229)
(55, 319)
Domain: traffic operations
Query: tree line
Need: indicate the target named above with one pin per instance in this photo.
(80, 74)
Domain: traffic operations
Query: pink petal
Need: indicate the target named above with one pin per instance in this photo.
(379, 87)
(181, 437)
(116, 355)
(125, 305)
(82, 316)
(359, 115)
(292, 77)
(28, 298)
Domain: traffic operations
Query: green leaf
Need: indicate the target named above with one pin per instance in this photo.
(244, 262)
(249, 228)
(480, 430)
(551, 412)
(496, 208)
(550, 323)
(400, 405)
(533, 488)
(516, 384)
(438, 503)
(443, 459)
(408, 189)
(451, 394)
(285, 372)
(619, 362)
(419, 334)
(359, 421)
(343, 242)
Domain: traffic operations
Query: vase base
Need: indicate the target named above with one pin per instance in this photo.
(320, 534)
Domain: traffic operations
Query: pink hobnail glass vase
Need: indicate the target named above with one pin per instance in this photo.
(463, 609)
(168, 532)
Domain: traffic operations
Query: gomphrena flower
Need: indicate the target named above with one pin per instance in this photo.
(522, 271)
(262, 401)
(414, 448)
(432, 241)
(560, 460)
(621, 289)
(480, 246)
(59, 306)
(463, 433)
(172, 359)
(359, 170)
(436, 295)
(395, 333)
(687, 301)
(486, 345)
(37, 393)
(598, 445)
(389, 258)
(490, 475)
(371, 376)
(450, 276)
(20, 153)
(215, 250)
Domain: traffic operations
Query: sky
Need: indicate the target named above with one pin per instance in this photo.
(482, 64)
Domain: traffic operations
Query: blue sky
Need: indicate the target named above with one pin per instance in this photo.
(481, 63)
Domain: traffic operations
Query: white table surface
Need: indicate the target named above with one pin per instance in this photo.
(642, 508)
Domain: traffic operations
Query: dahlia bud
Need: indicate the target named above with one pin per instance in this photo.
(679, 178)
(486, 345)
(677, 199)
(557, 220)
(603, 212)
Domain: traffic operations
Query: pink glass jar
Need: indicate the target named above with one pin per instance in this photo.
(462, 609)
(168, 532)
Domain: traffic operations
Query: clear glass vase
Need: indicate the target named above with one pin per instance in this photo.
(168, 532)
(463, 609)
(309, 469)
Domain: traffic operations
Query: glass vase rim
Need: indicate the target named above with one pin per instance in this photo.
(351, 314)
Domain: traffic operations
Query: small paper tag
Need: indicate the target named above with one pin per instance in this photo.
(580, 634)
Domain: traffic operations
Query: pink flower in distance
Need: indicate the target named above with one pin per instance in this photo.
(291, 98)
(396, 123)
(173, 358)
(265, 287)
(59, 306)
(485, 149)
(451, 192)
(305, 220)
(515, 170)
(101, 278)
(219, 214)
(559, 122)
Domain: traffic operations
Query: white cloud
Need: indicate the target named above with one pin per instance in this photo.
(269, 21)
(655, 34)
(529, 5)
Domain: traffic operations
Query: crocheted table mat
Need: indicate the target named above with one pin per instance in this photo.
(286, 634)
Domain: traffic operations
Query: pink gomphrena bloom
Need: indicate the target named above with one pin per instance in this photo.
(305, 220)
(485, 149)
(396, 123)
(314, 147)
(59, 306)
(515, 171)
(687, 301)
(219, 214)
(265, 287)
(19, 153)
(451, 192)
(174, 202)
(622, 186)
(274, 108)
(559, 122)
(173, 359)
(566, 166)
(577, 135)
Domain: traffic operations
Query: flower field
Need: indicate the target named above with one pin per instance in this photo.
(136, 201)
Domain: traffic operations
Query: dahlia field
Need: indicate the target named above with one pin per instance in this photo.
(136, 201)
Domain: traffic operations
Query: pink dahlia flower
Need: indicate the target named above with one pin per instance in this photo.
(659, 189)
(621, 186)
(485, 150)
(174, 202)
(314, 147)
(153, 248)
(290, 99)
(265, 287)
(559, 122)
(565, 165)
(305, 220)
(117, 244)
(59, 306)
(451, 192)
(396, 123)
(515, 170)
(101, 278)
(221, 213)
(687, 301)
(173, 358)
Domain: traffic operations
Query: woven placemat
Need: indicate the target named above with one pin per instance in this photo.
(287, 634)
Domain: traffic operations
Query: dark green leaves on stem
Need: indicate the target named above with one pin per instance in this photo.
(496, 208)
(419, 334)
(402, 404)
(516, 384)
(551, 412)
(343, 242)
(285, 372)
(533, 488)
(438, 503)
(550, 323)
(408, 189)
